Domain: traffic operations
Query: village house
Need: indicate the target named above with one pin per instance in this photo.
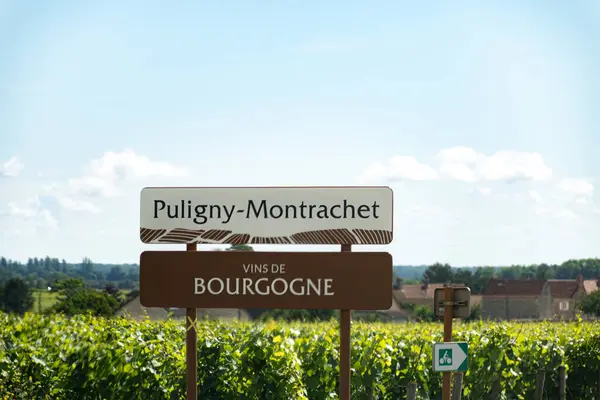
(414, 295)
(591, 285)
(134, 310)
(422, 294)
(508, 299)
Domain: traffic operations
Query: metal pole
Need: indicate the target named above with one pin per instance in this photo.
(345, 318)
(457, 386)
(448, 308)
(562, 382)
(191, 346)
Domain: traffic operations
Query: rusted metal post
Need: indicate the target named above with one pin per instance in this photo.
(345, 317)
(448, 309)
(191, 346)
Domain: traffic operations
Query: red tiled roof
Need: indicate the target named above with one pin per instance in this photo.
(415, 292)
(514, 287)
(563, 289)
(559, 288)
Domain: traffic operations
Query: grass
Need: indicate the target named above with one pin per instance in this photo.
(45, 299)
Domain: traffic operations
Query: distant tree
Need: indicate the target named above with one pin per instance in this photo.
(439, 273)
(590, 304)
(543, 271)
(112, 289)
(74, 298)
(464, 276)
(509, 272)
(68, 286)
(116, 274)
(480, 280)
(16, 296)
(86, 269)
(89, 301)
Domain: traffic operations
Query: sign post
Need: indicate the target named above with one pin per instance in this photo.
(345, 345)
(450, 302)
(342, 215)
(191, 344)
(446, 378)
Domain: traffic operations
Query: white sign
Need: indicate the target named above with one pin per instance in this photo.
(267, 215)
(450, 356)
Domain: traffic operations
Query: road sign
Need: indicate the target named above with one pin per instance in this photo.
(461, 307)
(292, 280)
(450, 356)
(267, 215)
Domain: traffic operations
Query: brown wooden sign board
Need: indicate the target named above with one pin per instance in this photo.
(286, 280)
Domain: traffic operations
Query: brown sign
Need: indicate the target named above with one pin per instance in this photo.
(300, 280)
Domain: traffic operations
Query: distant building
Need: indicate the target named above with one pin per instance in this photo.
(134, 309)
(416, 295)
(422, 294)
(508, 299)
(591, 285)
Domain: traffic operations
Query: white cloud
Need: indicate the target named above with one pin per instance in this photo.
(25, 211)
(93, 186)
(103, 174)
(106, 177)
(12, 167)
(556, 212)
(485, 191)
(74, 205)
(465, 164)
(69, 201)
(398, 168)
(578, 188)
(535, 196)
(33, 212)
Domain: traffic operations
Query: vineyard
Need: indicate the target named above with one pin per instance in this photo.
(53, 357)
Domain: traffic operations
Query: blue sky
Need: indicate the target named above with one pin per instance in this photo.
(482, 116)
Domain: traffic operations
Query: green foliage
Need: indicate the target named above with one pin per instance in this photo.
(297, 315)
(68, 286)
(75, 299)
(590, 304)
(475, 314)
(477, 278)
(439, 273)
(56, 357)
(16, 296)
(424, 314)
(87, 301)
(40, 273)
